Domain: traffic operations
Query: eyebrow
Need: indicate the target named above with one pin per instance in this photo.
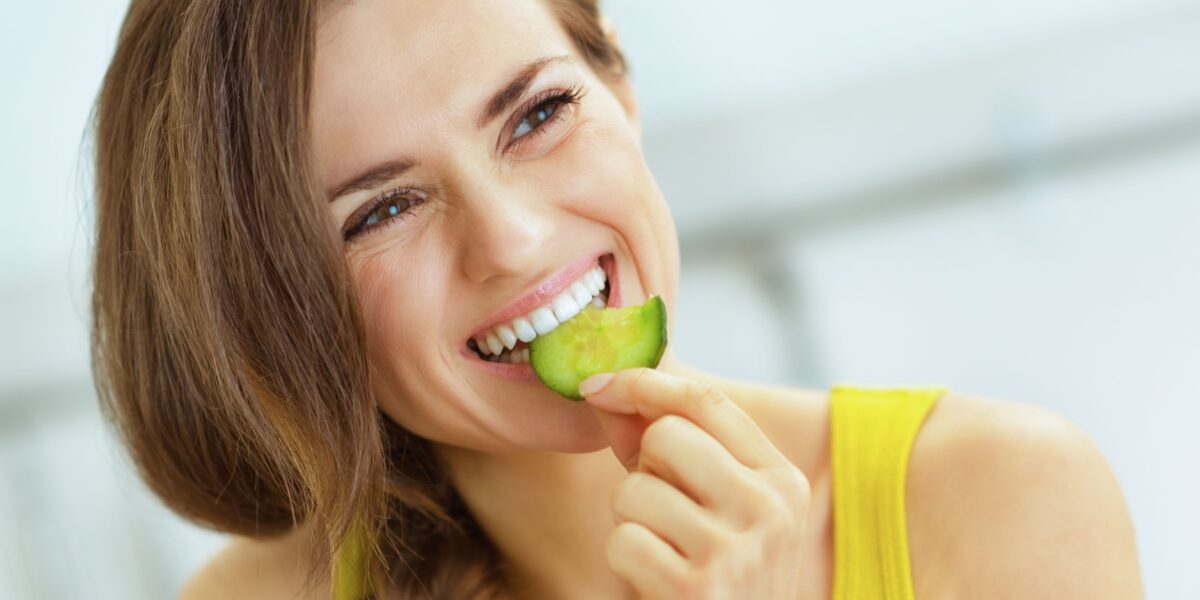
(500, 102)
(372, 177)
(517, 86)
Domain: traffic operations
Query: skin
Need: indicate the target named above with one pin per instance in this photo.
(662, 484)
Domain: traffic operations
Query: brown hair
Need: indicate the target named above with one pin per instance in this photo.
(227, 345)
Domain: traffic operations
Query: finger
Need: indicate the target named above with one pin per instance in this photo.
(652, 394)
(678, 451)
(624, 434)
(645, 560)
(668, 513)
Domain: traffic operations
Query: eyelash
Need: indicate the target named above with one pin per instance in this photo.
(359, 220)
(559, 98)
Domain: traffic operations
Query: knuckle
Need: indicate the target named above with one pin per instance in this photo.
(621, 542)
(659, 439)
(766, 503)
(780, 516)
(719, 538)
(791, 484)
(697, 584)
(683, 582)
(701, 396)
(758, 491)
(659, 433)
(715, 582)
(634, 376)
(739, 563)
(625, 497)
(794, 486)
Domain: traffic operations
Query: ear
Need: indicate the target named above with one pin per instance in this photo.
(622, 87)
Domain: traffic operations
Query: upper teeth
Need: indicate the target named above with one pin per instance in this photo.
(544, 319)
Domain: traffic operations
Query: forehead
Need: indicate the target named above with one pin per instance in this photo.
(391, 73)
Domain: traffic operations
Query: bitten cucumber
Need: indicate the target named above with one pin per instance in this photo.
(600, 340)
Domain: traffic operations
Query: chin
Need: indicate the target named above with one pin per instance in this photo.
(555, 425)
(566, 426)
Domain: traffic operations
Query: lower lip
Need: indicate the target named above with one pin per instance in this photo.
(523, 371)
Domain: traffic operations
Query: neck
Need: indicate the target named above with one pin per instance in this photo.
(549, 513)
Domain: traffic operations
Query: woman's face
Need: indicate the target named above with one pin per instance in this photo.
(477, 167)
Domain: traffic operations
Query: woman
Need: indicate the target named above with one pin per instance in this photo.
(319, 224)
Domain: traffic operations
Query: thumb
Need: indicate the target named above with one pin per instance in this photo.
(624, 435)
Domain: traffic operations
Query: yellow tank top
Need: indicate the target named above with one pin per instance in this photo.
(871, 434)
(351, 575)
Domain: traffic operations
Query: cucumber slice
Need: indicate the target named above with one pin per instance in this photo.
(600, 340)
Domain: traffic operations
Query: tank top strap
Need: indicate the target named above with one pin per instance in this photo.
(351, 570)
(872, 431)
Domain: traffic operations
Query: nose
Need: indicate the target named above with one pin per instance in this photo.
(504, 231)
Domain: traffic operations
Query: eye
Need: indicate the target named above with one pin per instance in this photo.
(392, 207)
(537, 115)
(536, 118)
(386, 210)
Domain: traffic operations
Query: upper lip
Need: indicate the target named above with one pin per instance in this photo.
(543, 293)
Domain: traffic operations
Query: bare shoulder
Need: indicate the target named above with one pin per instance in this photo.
(1009, 500)
(250, 568)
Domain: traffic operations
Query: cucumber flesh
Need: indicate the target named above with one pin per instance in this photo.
(600, 340)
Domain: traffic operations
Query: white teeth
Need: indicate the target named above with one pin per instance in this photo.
(507, 336)
(564, 307)
(580, 294)
(524, 329)
(543, 321)
(511, 357)
(494, 344)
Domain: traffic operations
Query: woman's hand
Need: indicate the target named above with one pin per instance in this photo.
(710, 509)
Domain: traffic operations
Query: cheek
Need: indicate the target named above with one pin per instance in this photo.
(604, 178)
(399, 297)
(599, 173)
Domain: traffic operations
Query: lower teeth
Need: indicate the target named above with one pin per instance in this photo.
(510, 356)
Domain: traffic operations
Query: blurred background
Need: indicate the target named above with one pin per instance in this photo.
(1000, 196)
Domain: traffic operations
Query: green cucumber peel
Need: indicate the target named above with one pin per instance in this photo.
(600, 340)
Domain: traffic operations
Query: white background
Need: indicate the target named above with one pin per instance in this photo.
(1002, 196)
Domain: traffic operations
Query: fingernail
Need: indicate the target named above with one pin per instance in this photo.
(594, 384)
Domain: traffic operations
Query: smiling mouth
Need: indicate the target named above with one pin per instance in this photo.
(508, 342)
